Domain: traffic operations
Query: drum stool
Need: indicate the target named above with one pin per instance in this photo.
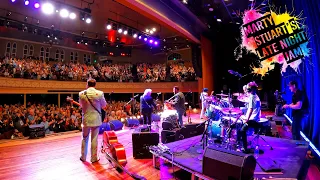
(257, 137)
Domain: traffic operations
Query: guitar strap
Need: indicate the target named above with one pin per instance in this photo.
(92, 104)
(147, 102)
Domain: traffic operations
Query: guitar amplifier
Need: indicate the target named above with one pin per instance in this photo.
(36, 131)
(141, 141)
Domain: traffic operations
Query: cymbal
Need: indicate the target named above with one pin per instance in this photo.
(233, 111)
(244, 99)
(237, 94)
(224, 95)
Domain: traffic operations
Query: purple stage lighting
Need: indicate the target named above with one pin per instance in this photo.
(13, 0)
(150, 41)
(140, 37)
(145, 39)
(26, 2)
(36, 5)
(156, 42)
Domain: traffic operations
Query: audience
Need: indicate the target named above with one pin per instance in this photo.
(36, 69)
(15, 119)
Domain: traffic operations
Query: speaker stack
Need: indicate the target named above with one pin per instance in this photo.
(222, 164)
(141, 141)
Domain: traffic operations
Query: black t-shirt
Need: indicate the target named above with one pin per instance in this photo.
(300, 96)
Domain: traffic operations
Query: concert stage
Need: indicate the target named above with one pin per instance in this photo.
(56, 157)
(286, 153)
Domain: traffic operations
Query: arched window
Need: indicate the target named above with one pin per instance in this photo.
(174, 57)
(85, 58)
(62, 55)
(8, 49)
(14, 50)
(30, 50)
(89, 58)
(76, 56)
(47, 54)
(41, 53)
(57, 55)
(72, 57)
(25, 51)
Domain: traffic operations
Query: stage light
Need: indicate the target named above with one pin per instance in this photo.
(219, 20)
(26, 2)
(135, 36)
(119, 30)
(125, 32)
(150, 41)
(151, 32)
(88, 20)
(64, 13)
(72, 16)
(13, 0)
(140, 37)
(109, 26)
(86, 44)
(147, 30)
(185, 1)
(78, 42)
(210, 9)
(145, 39)
(36, 5)
(154, 29)
(47, 8)
(156, 43)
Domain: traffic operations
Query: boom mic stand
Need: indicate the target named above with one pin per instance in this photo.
(204, 138)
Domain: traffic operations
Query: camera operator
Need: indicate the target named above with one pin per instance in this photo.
(300, 109)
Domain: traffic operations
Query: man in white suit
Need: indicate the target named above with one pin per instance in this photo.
(91, 102)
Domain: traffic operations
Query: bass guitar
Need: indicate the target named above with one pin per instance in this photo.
(115, 153)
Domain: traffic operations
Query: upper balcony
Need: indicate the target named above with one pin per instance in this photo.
(21, 86)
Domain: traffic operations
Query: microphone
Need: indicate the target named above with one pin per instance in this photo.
(136, 96)
(159, 93)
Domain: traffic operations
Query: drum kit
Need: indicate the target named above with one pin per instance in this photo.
(221, 110)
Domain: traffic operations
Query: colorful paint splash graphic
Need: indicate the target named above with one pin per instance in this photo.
(290, 26)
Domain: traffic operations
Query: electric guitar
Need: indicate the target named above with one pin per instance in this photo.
(115, 153)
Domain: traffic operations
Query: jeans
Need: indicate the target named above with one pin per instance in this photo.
(298, 121)
(147, 118)
(242, 132)
(94, 142)
(180, 119)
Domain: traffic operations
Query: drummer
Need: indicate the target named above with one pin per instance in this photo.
(204, 101)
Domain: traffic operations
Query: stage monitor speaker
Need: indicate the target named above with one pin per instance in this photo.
(115, 125)
(132, 122)
(222, 164)
(191, 130)
(104, 127)
(141, 143)
(168, 136)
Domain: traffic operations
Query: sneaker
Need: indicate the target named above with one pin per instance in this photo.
(82, 160)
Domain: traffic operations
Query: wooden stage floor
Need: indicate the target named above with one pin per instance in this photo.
(57, 157)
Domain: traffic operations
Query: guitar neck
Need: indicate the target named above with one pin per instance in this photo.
(75, 103)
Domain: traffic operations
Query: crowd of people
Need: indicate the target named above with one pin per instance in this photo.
(40, 70)
(15, 119)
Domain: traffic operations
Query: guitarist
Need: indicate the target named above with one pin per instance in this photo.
(146, 106)
(91, 101)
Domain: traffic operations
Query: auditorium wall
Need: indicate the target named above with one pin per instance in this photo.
(80, 55)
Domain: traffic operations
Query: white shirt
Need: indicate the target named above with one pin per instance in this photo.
(90, 117)
(255, 104)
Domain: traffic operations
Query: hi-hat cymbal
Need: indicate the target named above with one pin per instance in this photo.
(233, 111)
(224, 95)
(237, 94)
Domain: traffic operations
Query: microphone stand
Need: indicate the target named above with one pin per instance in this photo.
(189, 117)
